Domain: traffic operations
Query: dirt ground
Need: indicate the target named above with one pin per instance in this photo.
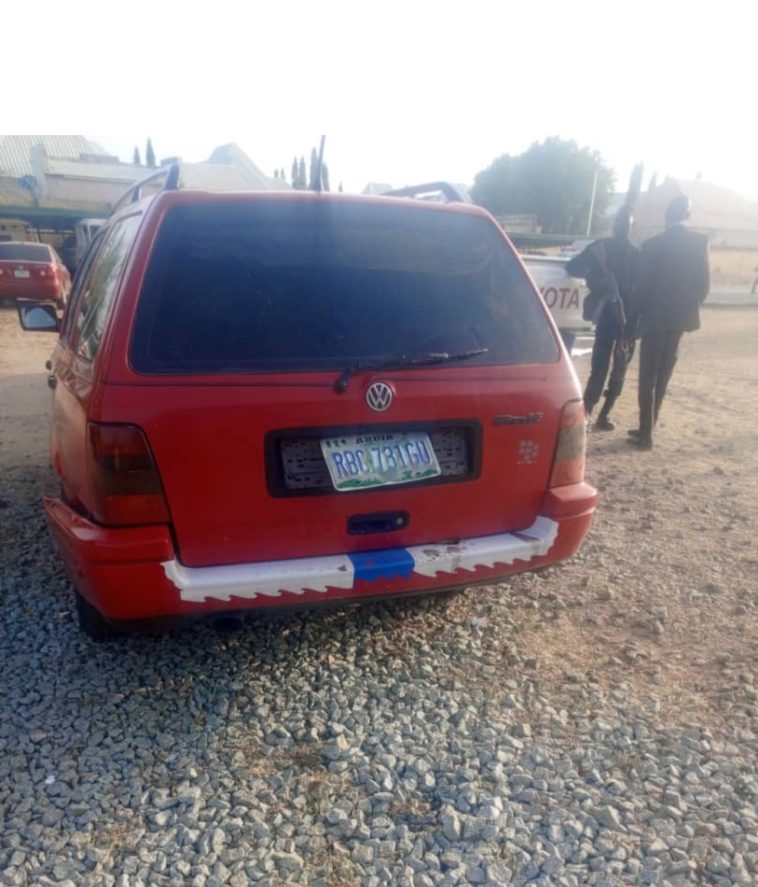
(24, 401)
(667, 582)
(664, 592)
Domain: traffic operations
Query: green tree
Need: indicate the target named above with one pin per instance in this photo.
(653, 183)
(635, 186)
(552, 180)
(314, 173)
(300, 181)
(136, 159)
(150, 155)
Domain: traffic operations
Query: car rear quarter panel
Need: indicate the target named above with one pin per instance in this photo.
(73, 398)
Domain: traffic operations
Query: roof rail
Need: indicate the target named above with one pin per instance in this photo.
(132, 194)
(453, 194)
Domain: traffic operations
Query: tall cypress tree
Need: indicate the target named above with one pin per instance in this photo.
(301, 180)
(325, 176)
(136, 159)
(150, 155)
(313, 178)
(635, 186)
(293, 177)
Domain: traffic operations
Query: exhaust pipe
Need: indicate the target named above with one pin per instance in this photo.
(227, 624)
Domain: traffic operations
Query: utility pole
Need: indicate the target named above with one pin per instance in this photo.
(592, 202)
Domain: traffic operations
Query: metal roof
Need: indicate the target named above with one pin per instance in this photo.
(232, 155)
(220, 177)
(15, 150)
(78, 169)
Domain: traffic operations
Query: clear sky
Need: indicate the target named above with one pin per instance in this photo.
(404, 91)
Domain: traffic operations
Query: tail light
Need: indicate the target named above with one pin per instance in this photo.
(125, 485)
(568, 462)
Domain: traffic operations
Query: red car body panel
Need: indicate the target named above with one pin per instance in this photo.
(73, 400)
(208, 437)
(228, 516)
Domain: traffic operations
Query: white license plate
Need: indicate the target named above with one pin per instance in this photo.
(21, 272)
(362, 461)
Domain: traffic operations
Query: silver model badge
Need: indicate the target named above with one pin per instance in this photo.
(379, 396)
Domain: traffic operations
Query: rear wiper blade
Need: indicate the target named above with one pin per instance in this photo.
(404, 360)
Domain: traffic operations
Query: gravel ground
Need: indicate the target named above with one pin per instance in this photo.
(592, 724)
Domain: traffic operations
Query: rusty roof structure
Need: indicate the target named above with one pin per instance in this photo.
(15, 151)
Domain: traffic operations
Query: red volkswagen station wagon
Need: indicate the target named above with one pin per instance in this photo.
(273, 398)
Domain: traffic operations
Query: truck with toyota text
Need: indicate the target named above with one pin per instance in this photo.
(563, 295)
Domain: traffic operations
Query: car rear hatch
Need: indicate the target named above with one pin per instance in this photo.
(267, 327)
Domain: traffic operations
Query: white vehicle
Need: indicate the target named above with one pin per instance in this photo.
(576, 247)
(563, 295)
(85, 231)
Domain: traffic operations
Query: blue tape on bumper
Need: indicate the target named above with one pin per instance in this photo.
(389, 563)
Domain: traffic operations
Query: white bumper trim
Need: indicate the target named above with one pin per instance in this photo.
(318, 574)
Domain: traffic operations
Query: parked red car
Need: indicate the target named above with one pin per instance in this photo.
(282, 398)
(33, 271)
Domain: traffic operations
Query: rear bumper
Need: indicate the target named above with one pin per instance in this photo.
(133, 573)
(36, 292)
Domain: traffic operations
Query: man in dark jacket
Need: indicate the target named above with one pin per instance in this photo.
(673, 281)
(609, 266)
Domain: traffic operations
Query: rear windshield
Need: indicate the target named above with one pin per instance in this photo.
(294, 285)
(24, 252)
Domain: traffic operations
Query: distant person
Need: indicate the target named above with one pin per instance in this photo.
(609, 266)
(673, 281)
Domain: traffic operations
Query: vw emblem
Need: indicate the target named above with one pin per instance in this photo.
(379, 396)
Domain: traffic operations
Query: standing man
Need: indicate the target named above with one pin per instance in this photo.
(674, 279)
(609, 266)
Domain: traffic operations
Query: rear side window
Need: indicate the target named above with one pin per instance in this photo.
(307, 285)
(24, 252)
(99, 287)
